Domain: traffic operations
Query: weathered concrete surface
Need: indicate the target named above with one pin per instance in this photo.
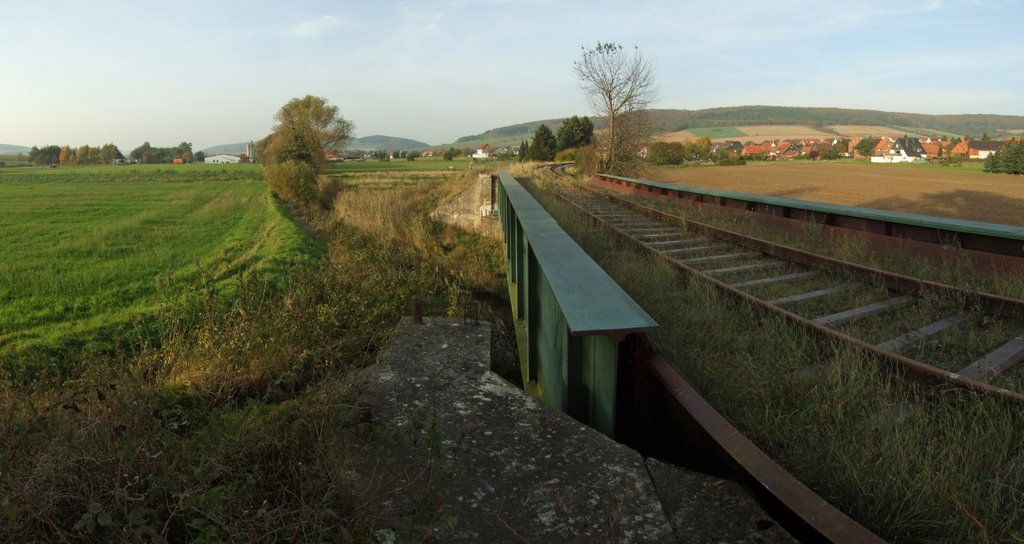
(516, 471)
(471, 209)
(703, 508)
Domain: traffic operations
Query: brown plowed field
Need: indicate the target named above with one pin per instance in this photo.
(929, 190)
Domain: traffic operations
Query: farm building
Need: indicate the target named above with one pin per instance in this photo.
(223, 159)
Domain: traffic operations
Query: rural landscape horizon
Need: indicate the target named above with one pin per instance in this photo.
(512, 271)
(441, 72)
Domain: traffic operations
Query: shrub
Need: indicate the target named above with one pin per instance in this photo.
(731, 161)
(566, 155)
(327, 191)
(293, 181)
(671, 153)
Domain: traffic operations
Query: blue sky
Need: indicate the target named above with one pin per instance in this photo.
(215, 72)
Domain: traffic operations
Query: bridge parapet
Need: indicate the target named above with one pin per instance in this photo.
(576, 327)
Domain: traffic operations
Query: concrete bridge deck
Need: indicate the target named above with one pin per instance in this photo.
(510, 469)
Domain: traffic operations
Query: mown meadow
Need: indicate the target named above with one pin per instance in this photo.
(88, 249)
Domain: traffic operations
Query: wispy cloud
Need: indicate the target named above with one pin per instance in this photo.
(314, 27)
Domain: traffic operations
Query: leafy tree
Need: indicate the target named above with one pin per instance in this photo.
(544, 145)
(83, 155)
(294, 181)
(670, 153)
(306, 129)
(139, 153)
(620, 87)
(44, 156)
(701, 148)
(524, 151)
(984, 136)
(866, 146)
(575, 132)
(65, 155)
(199, 156)
(450, 153)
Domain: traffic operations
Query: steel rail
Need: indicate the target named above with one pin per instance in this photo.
(669, 419)
(917, 370)
(912, 368)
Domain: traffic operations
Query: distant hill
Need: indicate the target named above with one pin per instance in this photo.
(964, 124)
(7, 149)
(511, 135)
(226, 149)
(368, 143)
(819, 119)
(387, 143)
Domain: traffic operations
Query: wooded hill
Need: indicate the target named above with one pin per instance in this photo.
(820, 118)
(386, 143)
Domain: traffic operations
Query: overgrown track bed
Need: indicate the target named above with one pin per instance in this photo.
(909, 461)
(933, 332)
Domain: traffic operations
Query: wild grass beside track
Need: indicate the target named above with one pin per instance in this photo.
(912, 464)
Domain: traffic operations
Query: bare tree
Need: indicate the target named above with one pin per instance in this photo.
(619, 86)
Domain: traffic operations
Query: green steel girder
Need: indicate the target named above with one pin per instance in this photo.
(574, 316)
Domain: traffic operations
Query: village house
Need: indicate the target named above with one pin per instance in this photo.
(976, 149)
(729, 147)
(931, 149)
(483, 152)
(898, 150)
(756, 150)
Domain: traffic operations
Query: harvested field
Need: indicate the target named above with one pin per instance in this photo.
(757, 133)
(951, 192)
(873, 130)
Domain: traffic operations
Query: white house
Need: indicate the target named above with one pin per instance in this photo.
(483, 152)
(223, 159)
(899, 150)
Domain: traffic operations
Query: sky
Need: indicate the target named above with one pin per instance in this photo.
(214, 72)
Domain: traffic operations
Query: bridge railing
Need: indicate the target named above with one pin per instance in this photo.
(989, 246)
(575, 326)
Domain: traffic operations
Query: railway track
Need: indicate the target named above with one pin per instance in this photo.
(931, 332)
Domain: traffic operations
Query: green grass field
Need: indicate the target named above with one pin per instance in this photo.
(717, 132)
(86, 249)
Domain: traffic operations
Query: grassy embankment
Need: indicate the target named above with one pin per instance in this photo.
(912, 464)
(233, 419)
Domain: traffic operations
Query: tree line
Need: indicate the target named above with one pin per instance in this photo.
(69, 156)
(108, 153)
(575, 132)
(674, 153)
(147, 154)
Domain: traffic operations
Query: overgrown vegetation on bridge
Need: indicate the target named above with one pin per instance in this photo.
(912, 464)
